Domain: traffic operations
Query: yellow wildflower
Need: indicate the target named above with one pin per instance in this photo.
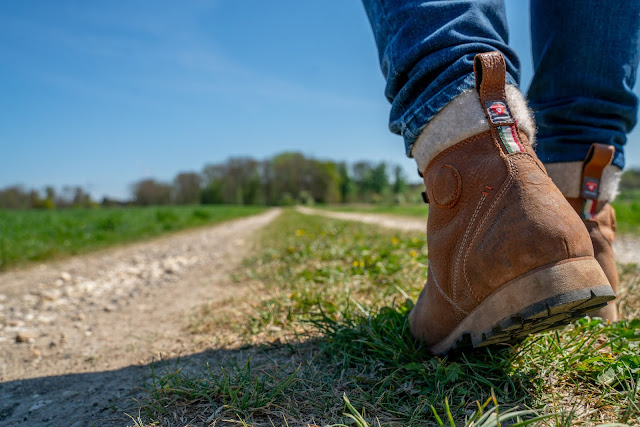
(413, 253)
(299, 232)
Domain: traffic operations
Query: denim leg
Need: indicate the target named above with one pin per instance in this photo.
(585, 56)
(426, 51)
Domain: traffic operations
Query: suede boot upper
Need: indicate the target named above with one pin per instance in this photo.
(495, 217)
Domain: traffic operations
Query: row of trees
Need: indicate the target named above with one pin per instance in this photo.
(286, 178)
(283, 179)
(17, 197)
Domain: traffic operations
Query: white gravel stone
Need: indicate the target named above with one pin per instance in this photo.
(50, 294)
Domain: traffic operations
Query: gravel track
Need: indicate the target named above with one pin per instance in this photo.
(77, 335)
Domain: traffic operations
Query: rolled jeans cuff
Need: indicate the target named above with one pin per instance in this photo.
(413, 122)
(463, 118)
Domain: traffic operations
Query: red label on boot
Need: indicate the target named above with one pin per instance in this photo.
(498, 113)
(498, 108)
(590, 188)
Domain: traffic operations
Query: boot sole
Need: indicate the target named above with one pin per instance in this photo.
(545, 298)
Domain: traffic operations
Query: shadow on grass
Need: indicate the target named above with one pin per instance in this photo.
(387, 376)
(95, 398)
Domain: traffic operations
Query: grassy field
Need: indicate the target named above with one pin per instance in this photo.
(627, 212)
(39, 235)
(628, 215)
(324, 340)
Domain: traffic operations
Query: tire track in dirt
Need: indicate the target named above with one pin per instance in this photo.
(626, 247)
(88, 324)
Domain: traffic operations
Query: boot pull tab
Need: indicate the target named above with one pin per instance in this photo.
(490, 72)
(599, 157)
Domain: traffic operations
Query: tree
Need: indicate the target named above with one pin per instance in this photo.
(362, 179)
(186, 188)
(325, 181)
(236, 181)
(149, 192)
(15, 197)
(379, 178)
(347, 186)
(399, 180)
(71, 196)
(81, 198)
(370, 180)
(211, 194)
(50, 200)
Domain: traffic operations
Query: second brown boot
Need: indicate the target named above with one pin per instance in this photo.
(600, 219)
(508, 256)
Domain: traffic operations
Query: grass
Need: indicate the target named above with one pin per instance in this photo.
(324, 340)
(36, 235)
(628, 215)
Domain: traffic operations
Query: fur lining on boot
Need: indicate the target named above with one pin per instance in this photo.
(462, 118)
(567, 176)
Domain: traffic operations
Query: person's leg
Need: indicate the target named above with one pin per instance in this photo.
(585, 58)
(507, 254)
(426, 51)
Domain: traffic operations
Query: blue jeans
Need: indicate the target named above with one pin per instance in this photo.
(585, 55)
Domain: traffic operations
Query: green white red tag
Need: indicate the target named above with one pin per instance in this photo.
(509, 138)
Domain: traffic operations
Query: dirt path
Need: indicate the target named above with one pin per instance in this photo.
(626, 247)
(75, 334)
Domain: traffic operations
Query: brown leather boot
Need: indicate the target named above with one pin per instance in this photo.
(600, 219)
(508, 256)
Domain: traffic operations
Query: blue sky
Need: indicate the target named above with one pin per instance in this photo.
(101, 94)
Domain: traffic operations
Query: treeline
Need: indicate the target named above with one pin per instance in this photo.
(284, 179)
(17, 197)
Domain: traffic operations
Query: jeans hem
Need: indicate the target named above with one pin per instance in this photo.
(415, 121)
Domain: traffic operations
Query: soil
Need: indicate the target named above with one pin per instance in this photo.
(78, 336)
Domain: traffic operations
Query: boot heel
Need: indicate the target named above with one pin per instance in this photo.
(545, 298)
